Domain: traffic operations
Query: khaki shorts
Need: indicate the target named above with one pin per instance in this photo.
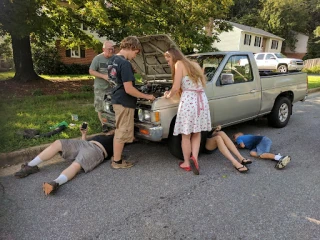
(124, 132)
(99, 94)
(87, 154)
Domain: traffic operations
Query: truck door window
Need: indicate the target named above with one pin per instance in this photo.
(237, 70)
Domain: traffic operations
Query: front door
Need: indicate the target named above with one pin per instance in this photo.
(236, 93)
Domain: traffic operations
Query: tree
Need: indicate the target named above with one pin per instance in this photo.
(41, 21)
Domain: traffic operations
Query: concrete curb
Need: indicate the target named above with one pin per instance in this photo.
(25, 155)
(313, 90)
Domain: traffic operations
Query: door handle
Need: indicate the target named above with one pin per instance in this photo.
(252, 91)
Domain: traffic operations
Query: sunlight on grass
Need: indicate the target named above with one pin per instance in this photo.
(313, 82)
(6, 75)
(67, 77)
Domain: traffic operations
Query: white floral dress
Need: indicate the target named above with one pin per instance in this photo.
(193, 113)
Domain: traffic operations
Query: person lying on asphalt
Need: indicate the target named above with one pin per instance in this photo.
(260, 146)
(218, 139)
(85, 155)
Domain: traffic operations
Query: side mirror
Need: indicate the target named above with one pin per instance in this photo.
(227, 78)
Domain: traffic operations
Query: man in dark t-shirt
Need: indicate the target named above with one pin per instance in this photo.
(124, 97)
(85, 155)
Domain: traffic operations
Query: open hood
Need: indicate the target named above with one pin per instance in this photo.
(150, 62)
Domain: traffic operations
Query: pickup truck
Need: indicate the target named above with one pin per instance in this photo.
(235, 93)
(268, 61)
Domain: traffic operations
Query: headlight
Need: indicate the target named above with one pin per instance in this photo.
(148, 116)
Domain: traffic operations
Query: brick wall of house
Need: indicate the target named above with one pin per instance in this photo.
(295, 55)
(89, 55)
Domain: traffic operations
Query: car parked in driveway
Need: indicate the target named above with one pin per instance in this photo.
(277, 62)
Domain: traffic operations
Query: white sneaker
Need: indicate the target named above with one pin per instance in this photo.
(283, 162)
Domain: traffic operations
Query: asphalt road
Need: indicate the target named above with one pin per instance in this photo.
(157, 200)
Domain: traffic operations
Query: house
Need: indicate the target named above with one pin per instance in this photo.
(250, 39)
(79, 55)
(300, 47)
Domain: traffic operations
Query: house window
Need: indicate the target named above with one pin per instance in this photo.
(257, 41)
(76, 52)
(274, 44)
(247, 39)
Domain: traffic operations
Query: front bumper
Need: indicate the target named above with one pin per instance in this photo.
(147, 131)
(295, 67)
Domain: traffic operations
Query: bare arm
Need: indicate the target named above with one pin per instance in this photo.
(99, 75)
(131, 90)
(179, 70)
(83, 134)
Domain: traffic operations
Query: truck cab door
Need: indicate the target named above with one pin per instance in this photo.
(236, 93)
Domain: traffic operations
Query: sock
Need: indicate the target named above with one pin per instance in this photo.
(61, 179)
(35, 162)
(277, 157)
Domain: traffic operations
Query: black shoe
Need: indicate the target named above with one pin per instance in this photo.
(26, 171)
(105, 128)
(50, 187)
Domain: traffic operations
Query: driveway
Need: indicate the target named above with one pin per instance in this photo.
(157, 200)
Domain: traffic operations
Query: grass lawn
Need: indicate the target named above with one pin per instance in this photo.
(42, 112)
(313, 82)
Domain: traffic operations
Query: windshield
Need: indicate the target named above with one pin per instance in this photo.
(209, 63)
(280, 55)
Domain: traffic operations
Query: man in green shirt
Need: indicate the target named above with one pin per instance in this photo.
(99, 69)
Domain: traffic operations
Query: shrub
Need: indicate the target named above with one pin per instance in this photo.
(314, 70)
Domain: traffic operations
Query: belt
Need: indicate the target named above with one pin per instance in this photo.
(200, 105)
(101, 147)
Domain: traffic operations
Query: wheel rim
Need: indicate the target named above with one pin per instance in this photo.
(283, 112)
(282, 68)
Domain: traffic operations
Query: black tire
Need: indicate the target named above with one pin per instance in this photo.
(282, 68)
(281, 112)
(174, 142)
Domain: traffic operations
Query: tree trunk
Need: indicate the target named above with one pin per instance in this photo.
(23, 60)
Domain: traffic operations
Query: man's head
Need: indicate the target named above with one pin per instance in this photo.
(108, 49)
(131, 46)
(236, 135)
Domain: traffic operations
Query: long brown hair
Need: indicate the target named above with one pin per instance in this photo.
(194, 73)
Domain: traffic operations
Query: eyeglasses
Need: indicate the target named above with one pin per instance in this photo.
(110, 49)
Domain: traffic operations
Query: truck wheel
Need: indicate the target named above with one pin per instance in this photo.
(282, 68)
(281, 112)
(174, 143)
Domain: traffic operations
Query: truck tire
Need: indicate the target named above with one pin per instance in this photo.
(281, 112)
(282, 68)
(174, 142)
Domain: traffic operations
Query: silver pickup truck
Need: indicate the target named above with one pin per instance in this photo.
(235, 93)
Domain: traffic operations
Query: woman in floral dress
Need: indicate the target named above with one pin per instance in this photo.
(193, 115)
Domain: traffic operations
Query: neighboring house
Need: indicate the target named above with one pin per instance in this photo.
(79, 55)
(300, 47)
(250, 39)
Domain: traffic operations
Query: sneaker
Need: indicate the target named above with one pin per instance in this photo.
(50, 187)
(26, 170)
(105, 128)
(124, 164)
(282, 162)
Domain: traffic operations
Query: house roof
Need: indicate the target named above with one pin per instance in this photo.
(254, 30)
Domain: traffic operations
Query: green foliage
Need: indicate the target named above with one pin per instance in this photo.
(313, 70)
(37, 92)
(42, 112)
(86, 88)
(313, 48)
(6, 51)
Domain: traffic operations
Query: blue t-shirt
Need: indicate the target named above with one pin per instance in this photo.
(250, 141)
(121, 71)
